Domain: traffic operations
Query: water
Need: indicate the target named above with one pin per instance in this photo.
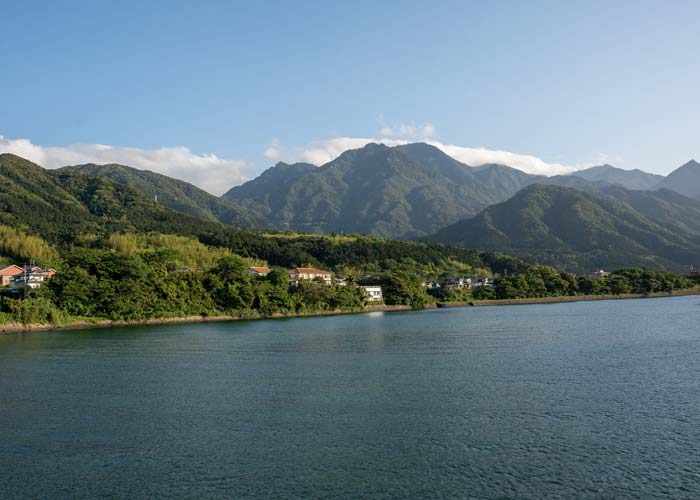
(596, 400)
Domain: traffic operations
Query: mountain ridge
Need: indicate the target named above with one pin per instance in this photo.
(174, 193)
(574, 230)
(684, 180)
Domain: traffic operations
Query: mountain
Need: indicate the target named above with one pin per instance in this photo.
(269, 180)
(266, 184)
(30, 196)
(178, 195)
(73, 213)
(395, 192)
(574, 230)
(573, 182)
(630, 179)
(684, 180)
(65, 205)
(665, 206)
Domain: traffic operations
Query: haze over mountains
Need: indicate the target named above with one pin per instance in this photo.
(598, 217)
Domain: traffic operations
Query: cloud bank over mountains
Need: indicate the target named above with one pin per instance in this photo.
(216, 175)
(209, 172)
(320, 152)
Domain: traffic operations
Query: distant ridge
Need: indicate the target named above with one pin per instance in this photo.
(405, 191)
(576, 231)
(630, 179)
(684, 180)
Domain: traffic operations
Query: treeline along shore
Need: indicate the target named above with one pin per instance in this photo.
(14, 327)
(130, 278)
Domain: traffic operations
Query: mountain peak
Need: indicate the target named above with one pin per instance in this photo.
(684, 180)
(630, 179)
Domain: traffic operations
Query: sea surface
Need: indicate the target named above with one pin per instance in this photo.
(590, 400)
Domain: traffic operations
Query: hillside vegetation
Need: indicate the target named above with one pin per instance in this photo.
(122, 255)
(575, 231)
(400, 192)
(172, 193)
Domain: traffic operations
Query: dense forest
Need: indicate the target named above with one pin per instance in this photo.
(145, 276)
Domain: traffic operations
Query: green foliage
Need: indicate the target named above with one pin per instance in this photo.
(547, 282)
(175, 194)
(21, 246)
(579, 231)
(187, 252)
(401, 288)
(120, 255)
(35, 310)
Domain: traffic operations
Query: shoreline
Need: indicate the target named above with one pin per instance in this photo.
(10, 328)
(566, 298)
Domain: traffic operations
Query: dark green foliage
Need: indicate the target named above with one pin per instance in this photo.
(126, 286)
(35, 310)
(402, 288)
(175, 194)
(547, 282)
(575, 231)
(667, 207)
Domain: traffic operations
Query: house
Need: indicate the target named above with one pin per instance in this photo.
(373, 293)
(309, 273)
(458, 283)
(340, 281)
(8, 273)
(478, 281)
(32, 277)
(259, 271)
(599, 274)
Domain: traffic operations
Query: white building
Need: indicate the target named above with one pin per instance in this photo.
(373, 293)
(309, 273)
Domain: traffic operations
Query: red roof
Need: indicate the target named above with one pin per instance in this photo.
(260, 270)
(12, 270)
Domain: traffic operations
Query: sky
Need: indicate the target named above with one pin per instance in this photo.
(214, 92)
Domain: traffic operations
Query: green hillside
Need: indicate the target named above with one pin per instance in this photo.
(667, 207)
(575, 231)
(400, 192)
(268, 183)
(68, 209)
(176, 194)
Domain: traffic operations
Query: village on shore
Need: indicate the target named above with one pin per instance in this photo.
(31, 276)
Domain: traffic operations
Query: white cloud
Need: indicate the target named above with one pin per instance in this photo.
(207, 171)
(526, 163)
(320, 152)
(408, 130)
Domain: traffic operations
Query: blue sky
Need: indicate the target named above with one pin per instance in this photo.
(203, 90)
